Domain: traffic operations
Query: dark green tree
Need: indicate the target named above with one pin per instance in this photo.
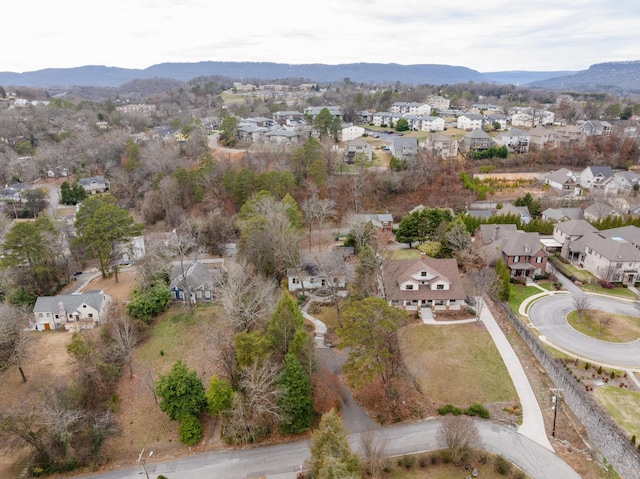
(101, 231)
(295, 401)
(528, 201)
(181, 392)
(29, 247)
(504, 285)
(190, 430)
(323, 123)
(72, 194)
(331, 454)
(307, 162)
(285, 321)
(228, 133)
(149, 301)
(402, 124)
(219, 396)
(370, 332)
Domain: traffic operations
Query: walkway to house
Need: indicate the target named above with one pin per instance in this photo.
(532, 422)
(320, 327)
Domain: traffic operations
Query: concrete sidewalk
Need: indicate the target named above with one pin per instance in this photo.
(532, 421)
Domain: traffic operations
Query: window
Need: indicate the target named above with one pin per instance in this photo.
(312, 280)
(539, 259)
(516, 259)
(618, 265)
(40, 315)
(440, 286)
(90, 315)
(423, 273)
(294, 281)
(408, 286)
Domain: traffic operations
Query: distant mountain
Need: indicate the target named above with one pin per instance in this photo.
(616, 77)
(521, 77)
(611, 77)
(357, 72)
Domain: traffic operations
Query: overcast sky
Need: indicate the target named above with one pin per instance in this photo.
(488, 35)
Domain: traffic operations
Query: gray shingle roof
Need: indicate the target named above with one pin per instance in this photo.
(71, 302)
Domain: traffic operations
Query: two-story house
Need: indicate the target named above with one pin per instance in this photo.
(516, 140)
(564, 181)
(71, 311)
(598, 178)
(471, 121)
(354, 147)
(522, 252)
(404, 148)
(568, 233)
(541, 138)
(423, 283)
(477, 140)
(95, 184)
(442, 146)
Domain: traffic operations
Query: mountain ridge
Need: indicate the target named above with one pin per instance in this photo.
(620, 77)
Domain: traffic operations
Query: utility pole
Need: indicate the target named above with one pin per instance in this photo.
(555, 400)
(143, 460)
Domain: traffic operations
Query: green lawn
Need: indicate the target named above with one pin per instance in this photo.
(519, 293)
(617, 292)
(456, 364)
(408, 253)
(569, 271)
(622, 329)
(171, 334)
(623, 406)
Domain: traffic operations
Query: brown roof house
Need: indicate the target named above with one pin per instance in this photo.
(423, 283)
(522, 252)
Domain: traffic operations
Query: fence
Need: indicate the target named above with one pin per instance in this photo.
(607, 437)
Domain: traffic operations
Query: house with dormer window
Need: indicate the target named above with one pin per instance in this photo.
(423, 283)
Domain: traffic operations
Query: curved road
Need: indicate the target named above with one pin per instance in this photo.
(548, 315)
(284, 460)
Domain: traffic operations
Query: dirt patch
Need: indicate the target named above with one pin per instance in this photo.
(120, 291)
(46, 364)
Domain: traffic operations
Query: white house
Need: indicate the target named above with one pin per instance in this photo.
(470, 121)
(516, 140)
(423, 283)
(563, 180)
(430, 123)
(71, 311)
(351, 132)
(95, 184)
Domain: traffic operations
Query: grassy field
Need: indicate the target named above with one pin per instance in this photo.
(617, 292)
(519, 293)
(569, 270)
(623, 405)
(408, 253)
(174, 335)
(622, 329)
(456, 364)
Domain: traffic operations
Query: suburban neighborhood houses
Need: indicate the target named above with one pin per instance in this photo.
(224, 263)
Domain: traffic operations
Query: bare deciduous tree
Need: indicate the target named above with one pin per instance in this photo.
(582, 303)
(460, 435)
(483, 283)
(184, 246)
(374, 453)
(255, 407)
(604, 320)
(125, 334)
(14, 340)
(317, 210)
(246, 297)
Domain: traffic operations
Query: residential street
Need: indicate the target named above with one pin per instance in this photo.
(283, 461)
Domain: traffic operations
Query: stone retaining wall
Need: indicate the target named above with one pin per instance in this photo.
(609, 439)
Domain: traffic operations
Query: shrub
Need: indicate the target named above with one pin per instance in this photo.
(190, 430)
(605, 285)
(449, 409)
(407, 461)
(161, 477)
(633, 439)
(587, 366)
(600, 370)
(502, 466)
(612, 375)
(477, 409)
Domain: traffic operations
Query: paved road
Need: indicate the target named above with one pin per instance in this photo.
(549, 317)
(284, 460)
